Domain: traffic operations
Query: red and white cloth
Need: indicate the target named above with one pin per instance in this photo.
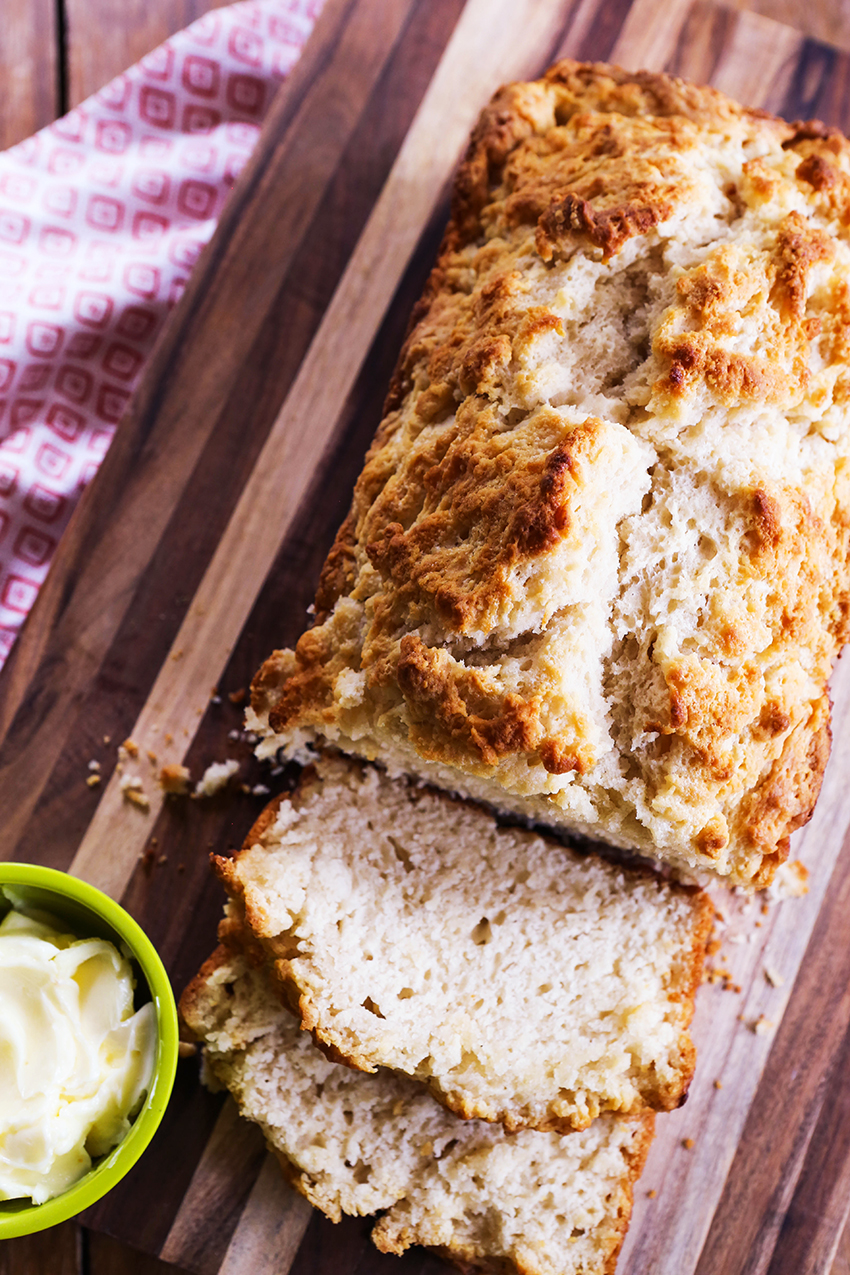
(102, 216)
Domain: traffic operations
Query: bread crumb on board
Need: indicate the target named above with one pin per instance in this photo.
(215, 777)
(175, 779)
(791, 881)
(133, 791)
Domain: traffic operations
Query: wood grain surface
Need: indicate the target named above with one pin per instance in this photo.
(103, 37)
(30, 60)
(197, 548)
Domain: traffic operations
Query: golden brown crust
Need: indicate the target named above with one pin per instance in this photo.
(191, 1002)
(452, 626)
(636, 1157)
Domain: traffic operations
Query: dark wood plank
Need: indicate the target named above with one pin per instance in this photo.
(104, 37)
(58, 1251)
(105, 1256)
(29, 69)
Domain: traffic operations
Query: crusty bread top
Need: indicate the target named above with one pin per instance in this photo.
(526, 984)
(596, 566)
(533, 1202)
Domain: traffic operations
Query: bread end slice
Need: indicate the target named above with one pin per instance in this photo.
(532, 1203)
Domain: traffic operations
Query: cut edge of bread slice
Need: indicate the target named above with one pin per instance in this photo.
(470, 1035)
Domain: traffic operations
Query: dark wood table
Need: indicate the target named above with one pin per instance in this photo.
(53, 54)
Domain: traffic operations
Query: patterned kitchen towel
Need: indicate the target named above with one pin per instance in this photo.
(102, 216)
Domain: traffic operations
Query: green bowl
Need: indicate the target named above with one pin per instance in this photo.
(91, 914)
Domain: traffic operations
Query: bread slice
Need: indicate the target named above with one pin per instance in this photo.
(523, 982)
(596, 566)
(533, 1202)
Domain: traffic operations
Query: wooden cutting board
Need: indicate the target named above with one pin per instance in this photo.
(196, 551)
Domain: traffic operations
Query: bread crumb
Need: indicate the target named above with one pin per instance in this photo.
(94, 764)
(687, 1143)
(152, 757)
(177, 655)
(163, 858)
(131, 787)
(234, 734)
(185, 1049)
(93, 781)
(131, 747)
(775, 980)
(765, 908)
(175, 779)
(762, 1026)
(718, 1084)
(791, 881)
(215, 777)
(713, 947)
(651, 1194)
(237, 697)
(260, 790)
(169, 738)
(107, 739)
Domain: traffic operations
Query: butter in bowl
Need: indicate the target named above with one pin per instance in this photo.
(88, 1045)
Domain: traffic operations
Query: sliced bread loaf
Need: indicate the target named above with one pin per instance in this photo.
(353, 1143)
(596, 567)
(525, 983)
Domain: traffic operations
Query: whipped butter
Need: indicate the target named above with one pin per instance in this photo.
(75, 1059)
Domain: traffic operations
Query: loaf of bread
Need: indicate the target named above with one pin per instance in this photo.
(535, 1203)
(522, 982)
(596, 566)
